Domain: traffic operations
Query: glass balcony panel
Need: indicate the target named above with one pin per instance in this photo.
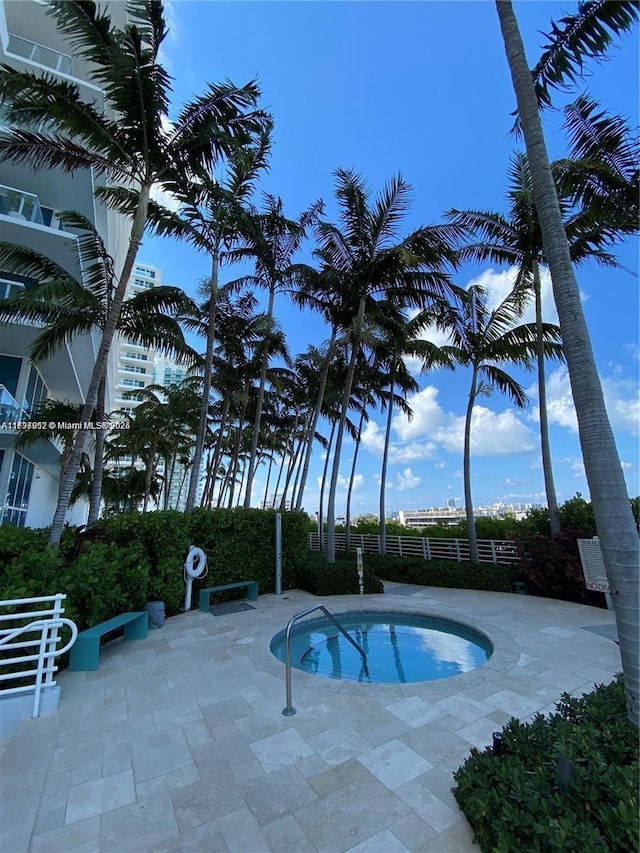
(39, 53)
(20, 205)
(10, 410)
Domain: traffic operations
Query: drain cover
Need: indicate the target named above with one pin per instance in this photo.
(230, 607)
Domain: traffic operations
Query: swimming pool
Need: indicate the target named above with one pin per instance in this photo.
(400, 647)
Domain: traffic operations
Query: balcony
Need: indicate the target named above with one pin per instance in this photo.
(10, 410)
(40, 54)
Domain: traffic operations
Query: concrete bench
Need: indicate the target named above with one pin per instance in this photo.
(205, 594)
(86, 649)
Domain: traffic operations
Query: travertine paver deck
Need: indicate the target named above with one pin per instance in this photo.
(178, 743)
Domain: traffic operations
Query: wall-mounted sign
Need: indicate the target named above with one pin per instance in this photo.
(595, 576)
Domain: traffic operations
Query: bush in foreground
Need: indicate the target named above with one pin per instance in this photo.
(519, 801)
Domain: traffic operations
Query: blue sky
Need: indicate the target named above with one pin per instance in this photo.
(420, 88)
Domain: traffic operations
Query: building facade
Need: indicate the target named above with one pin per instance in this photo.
(29, 201)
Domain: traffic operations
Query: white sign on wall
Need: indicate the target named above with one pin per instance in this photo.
(595, 576)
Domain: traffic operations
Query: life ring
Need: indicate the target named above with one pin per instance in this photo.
(196, 562)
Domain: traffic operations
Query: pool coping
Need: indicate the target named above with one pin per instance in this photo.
(506, 654)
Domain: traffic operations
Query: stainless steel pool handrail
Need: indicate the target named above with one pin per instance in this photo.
(289, 711)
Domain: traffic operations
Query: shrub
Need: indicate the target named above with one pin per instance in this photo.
(440, 572)
(517, 801)
(551, 568)
(339, 578)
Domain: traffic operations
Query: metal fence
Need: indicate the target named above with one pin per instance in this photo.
(498, 551)
(28, 644)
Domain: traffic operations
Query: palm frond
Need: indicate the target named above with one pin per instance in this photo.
(506, 384)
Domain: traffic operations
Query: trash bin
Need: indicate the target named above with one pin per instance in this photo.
(155, 609)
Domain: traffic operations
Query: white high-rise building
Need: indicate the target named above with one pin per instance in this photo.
(28, 204)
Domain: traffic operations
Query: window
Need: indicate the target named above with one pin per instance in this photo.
(36, 390)
(139, 282)
(20, 479)
(10, 288)
(10, 373)
(136, 356)
(130, 368)
(132, 383)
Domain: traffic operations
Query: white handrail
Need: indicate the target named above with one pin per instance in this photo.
(45, 644)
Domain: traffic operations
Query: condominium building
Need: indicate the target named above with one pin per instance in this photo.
(451, 515)
(29, 201)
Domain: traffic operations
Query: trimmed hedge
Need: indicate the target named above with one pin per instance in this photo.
(129, 559)
(518, 800)
(339, 578)
(440, 572)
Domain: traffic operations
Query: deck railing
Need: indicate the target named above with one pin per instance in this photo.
(497, 551)
(29, 636)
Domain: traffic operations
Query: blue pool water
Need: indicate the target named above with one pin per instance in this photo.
(400, 647)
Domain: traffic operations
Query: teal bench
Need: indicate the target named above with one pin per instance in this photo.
(205, 594)
(86, 649)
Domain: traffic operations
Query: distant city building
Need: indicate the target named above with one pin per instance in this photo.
(452, 515)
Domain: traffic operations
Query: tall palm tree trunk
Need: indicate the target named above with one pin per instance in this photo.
(547, 467)
(206, 384)
(347, 513)
(98, 460)
(468, 503)
(304, 442)
(100, 366)
(611, 506)
(346, 398)
(258, 418)
(316, 418)
(383, 473)
(325, 471)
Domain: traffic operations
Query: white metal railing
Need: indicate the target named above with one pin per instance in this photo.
(39, 53)
(497, 551)
(33, 634)
(10, 409)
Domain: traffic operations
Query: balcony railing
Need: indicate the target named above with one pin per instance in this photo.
(20, 204)
(10, 410)
(35, 52)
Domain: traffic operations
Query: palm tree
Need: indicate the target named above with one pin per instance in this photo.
(612, 509)
(270, 240)
(516, 239)
(210, 217)
(126, 143)
(372, 261)
(483, 340)
(69, 307)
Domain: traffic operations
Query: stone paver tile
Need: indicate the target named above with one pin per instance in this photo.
(167, 782)
(76, 753)
(338, 777)
(394, 763)
(242, 833)
(459, 837)
(217, 712)
(439, 747)
(479, 733)
(220, 753)
(281, 749)
(132, 827)
(264, 722)
(157, 754)
(415, 711)
(277, 794)
(311, 765)
(49, 819)
(349, 815)
(558, 632)
(176, 713)
(383, 840)
(87, 772)
(301, 846)
(426, 805)
(19, 806)
(283, 832)
(412, 831)
(116, 757)
(202, 802)
(83, 836)
(201, 839)
(339, 744)
(138, 725)
(464, 708)
(440, 783)
(513, 703)
(99, 796)
(388, 731)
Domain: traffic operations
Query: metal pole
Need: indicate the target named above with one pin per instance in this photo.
(278, 554)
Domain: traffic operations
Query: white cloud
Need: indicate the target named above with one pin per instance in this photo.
(427, 415)
(373, 441)
(499, 285)
(406, 480)
(492, 434)
(621, 396)
(358, 482)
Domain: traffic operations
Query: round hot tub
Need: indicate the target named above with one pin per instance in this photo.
(398, 647)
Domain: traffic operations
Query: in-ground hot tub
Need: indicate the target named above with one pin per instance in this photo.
(400, 647)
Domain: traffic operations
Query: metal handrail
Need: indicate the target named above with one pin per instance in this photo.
(289, 711)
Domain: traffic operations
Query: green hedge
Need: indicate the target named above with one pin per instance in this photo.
(440, 572)
(124, 561)
(518, 801)
(339, 578)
